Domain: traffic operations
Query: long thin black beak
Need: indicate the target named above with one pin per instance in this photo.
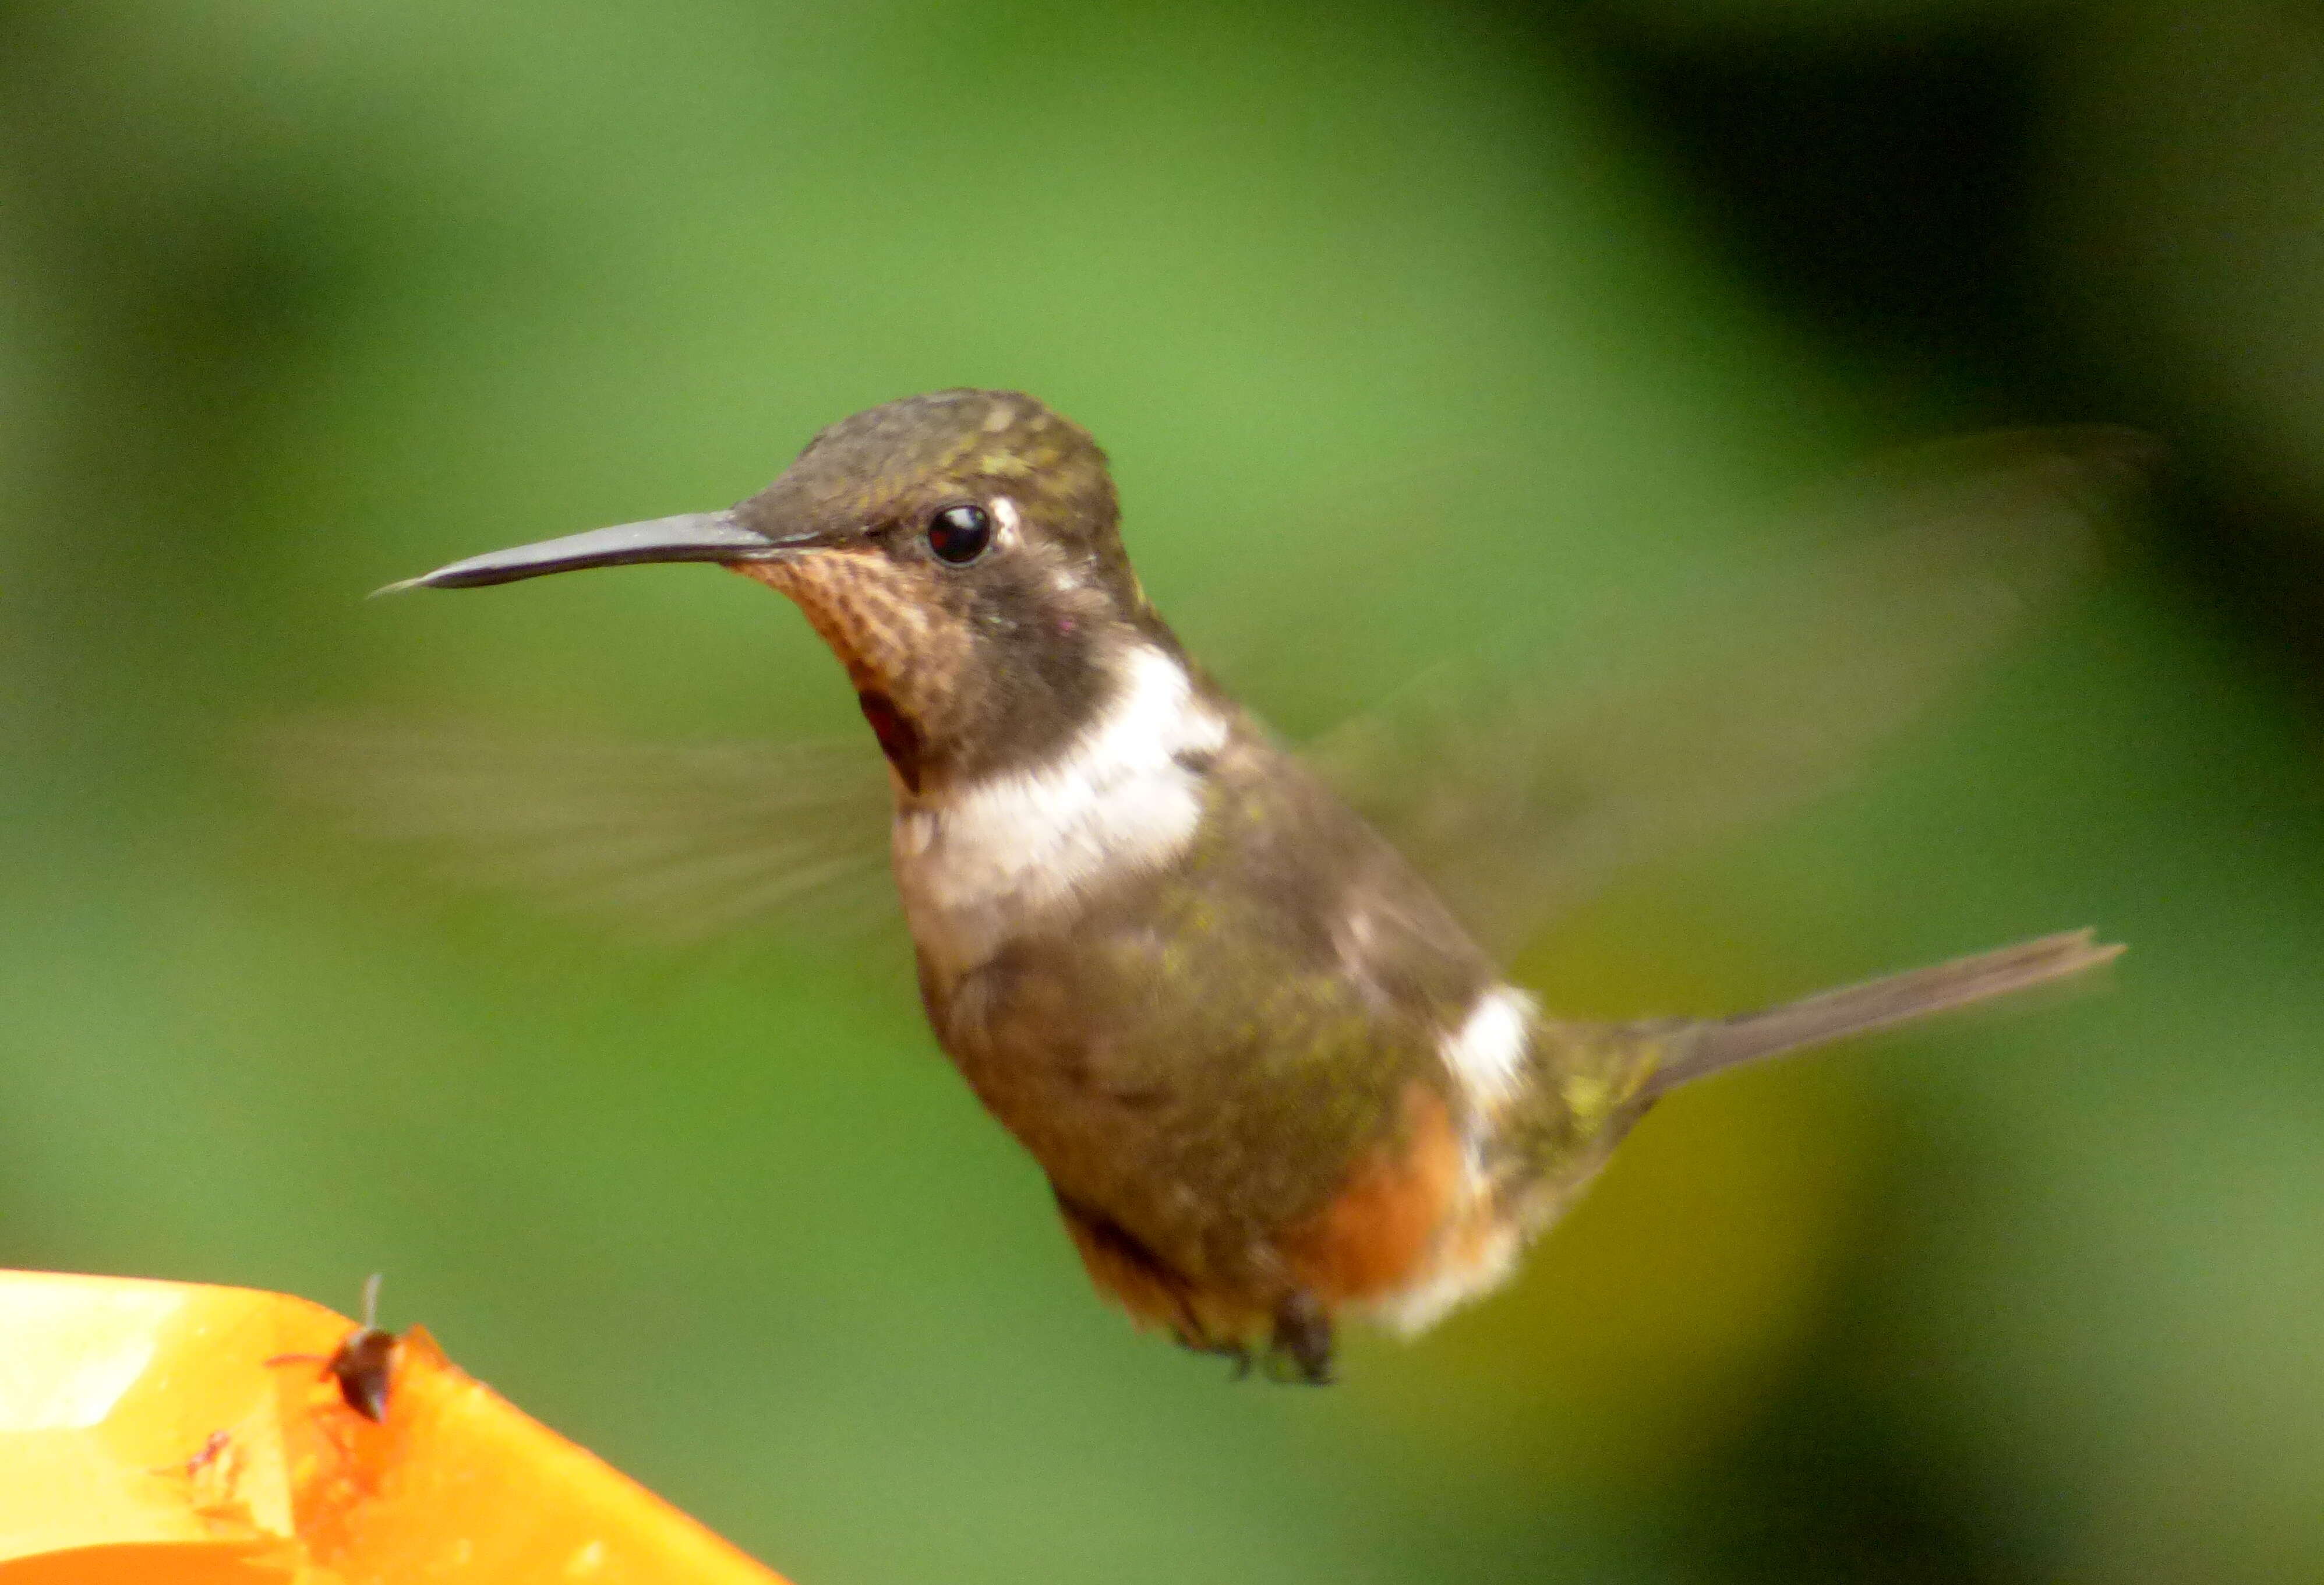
(700, 536)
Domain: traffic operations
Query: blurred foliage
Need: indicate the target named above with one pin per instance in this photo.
(1385, 313)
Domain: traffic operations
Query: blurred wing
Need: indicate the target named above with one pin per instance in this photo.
(683, 842)
(1519, 801)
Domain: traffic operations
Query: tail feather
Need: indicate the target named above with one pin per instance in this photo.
(1879, 1003)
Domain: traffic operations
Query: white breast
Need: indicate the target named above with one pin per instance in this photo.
(983, 863)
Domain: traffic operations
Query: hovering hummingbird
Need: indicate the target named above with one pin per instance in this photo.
(1274, 1080)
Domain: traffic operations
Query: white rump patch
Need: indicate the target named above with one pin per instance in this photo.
(1486, 1053)
(978, 863)
(1486, 1057)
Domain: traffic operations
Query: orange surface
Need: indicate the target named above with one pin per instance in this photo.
(145, 1439)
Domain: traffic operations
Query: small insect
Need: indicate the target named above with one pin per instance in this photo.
(363, 1364)
(214, 1449)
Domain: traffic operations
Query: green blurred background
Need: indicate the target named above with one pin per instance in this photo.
(1401, 322)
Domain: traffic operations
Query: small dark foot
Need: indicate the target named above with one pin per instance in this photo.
(1235, 1353)
(1301, 1350)
(1298, 1351)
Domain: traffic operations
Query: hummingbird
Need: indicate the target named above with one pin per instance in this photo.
(1275, 1080)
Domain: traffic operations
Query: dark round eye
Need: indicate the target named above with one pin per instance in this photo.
(959, 534)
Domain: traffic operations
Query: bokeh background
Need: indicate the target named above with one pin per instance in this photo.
(1401, 321)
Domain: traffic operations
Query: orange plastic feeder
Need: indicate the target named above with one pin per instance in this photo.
(144, 1439)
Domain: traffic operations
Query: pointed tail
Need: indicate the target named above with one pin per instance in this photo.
(1878, 1003)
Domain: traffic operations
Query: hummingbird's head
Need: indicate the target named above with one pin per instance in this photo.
(960, 552)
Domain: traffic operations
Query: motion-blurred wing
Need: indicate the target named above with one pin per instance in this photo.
(1519, 799)
(681, 842)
